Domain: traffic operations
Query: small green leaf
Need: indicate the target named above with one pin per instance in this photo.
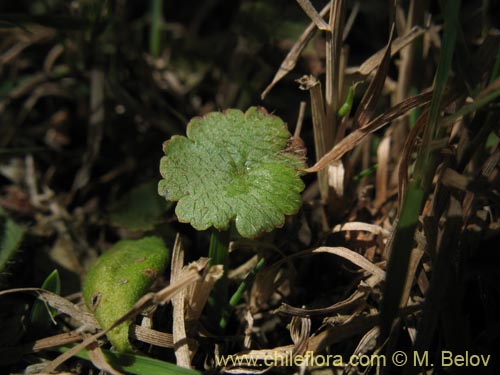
(40, 318)
(11, 236)
(140, 209)
(233, 166)
(121, 276)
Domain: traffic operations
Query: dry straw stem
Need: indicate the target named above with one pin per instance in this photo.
(313, 14)
(320, 125)
(151, 336)
(359, 226)
(291, 58)
(355, 138)
(333, 89)
(198, 293)
(300, 330)
(366, 107)
(353, 301)
(300, 119)
(182, 352)
(374, 61)
(383, 159)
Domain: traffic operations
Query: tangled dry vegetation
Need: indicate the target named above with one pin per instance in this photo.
(393, 248)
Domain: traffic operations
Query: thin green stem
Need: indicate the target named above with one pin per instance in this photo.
(236, 297)
(155, 29)
(218, 253)
(403, 239)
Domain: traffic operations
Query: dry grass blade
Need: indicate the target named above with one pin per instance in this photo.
(350, 20)
(198, 293)
(313, 14)
(334, 39)
(300, 329)
(323, 135)
(351, 327)
(415, 258)
(56, 340)
(451, 178)
(336, 178)
(371, 63)
(367, 343)
(357, 325)
(182, 352)
(151, 336)
(359, 226)
(383, 158)
(354, 300)
(184, 280)
(300, 119)
(99, 361)
(59, 303)
(354, 258)
(366, 107)
(355, 138)
(291, 58)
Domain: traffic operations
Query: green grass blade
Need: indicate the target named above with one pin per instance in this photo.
(402, 245)
(137, 364)
(403, 239)
(155, 28)
(443, 71)
(11, 235)
(218, 253)
(496, 67)
(469, 108)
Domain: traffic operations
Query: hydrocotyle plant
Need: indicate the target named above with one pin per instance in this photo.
(233, 166)
(121, 276)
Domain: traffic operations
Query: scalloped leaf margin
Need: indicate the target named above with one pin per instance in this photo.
(233, 166)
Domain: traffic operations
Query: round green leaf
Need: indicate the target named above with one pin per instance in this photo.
(233, 166)
(121, 276)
